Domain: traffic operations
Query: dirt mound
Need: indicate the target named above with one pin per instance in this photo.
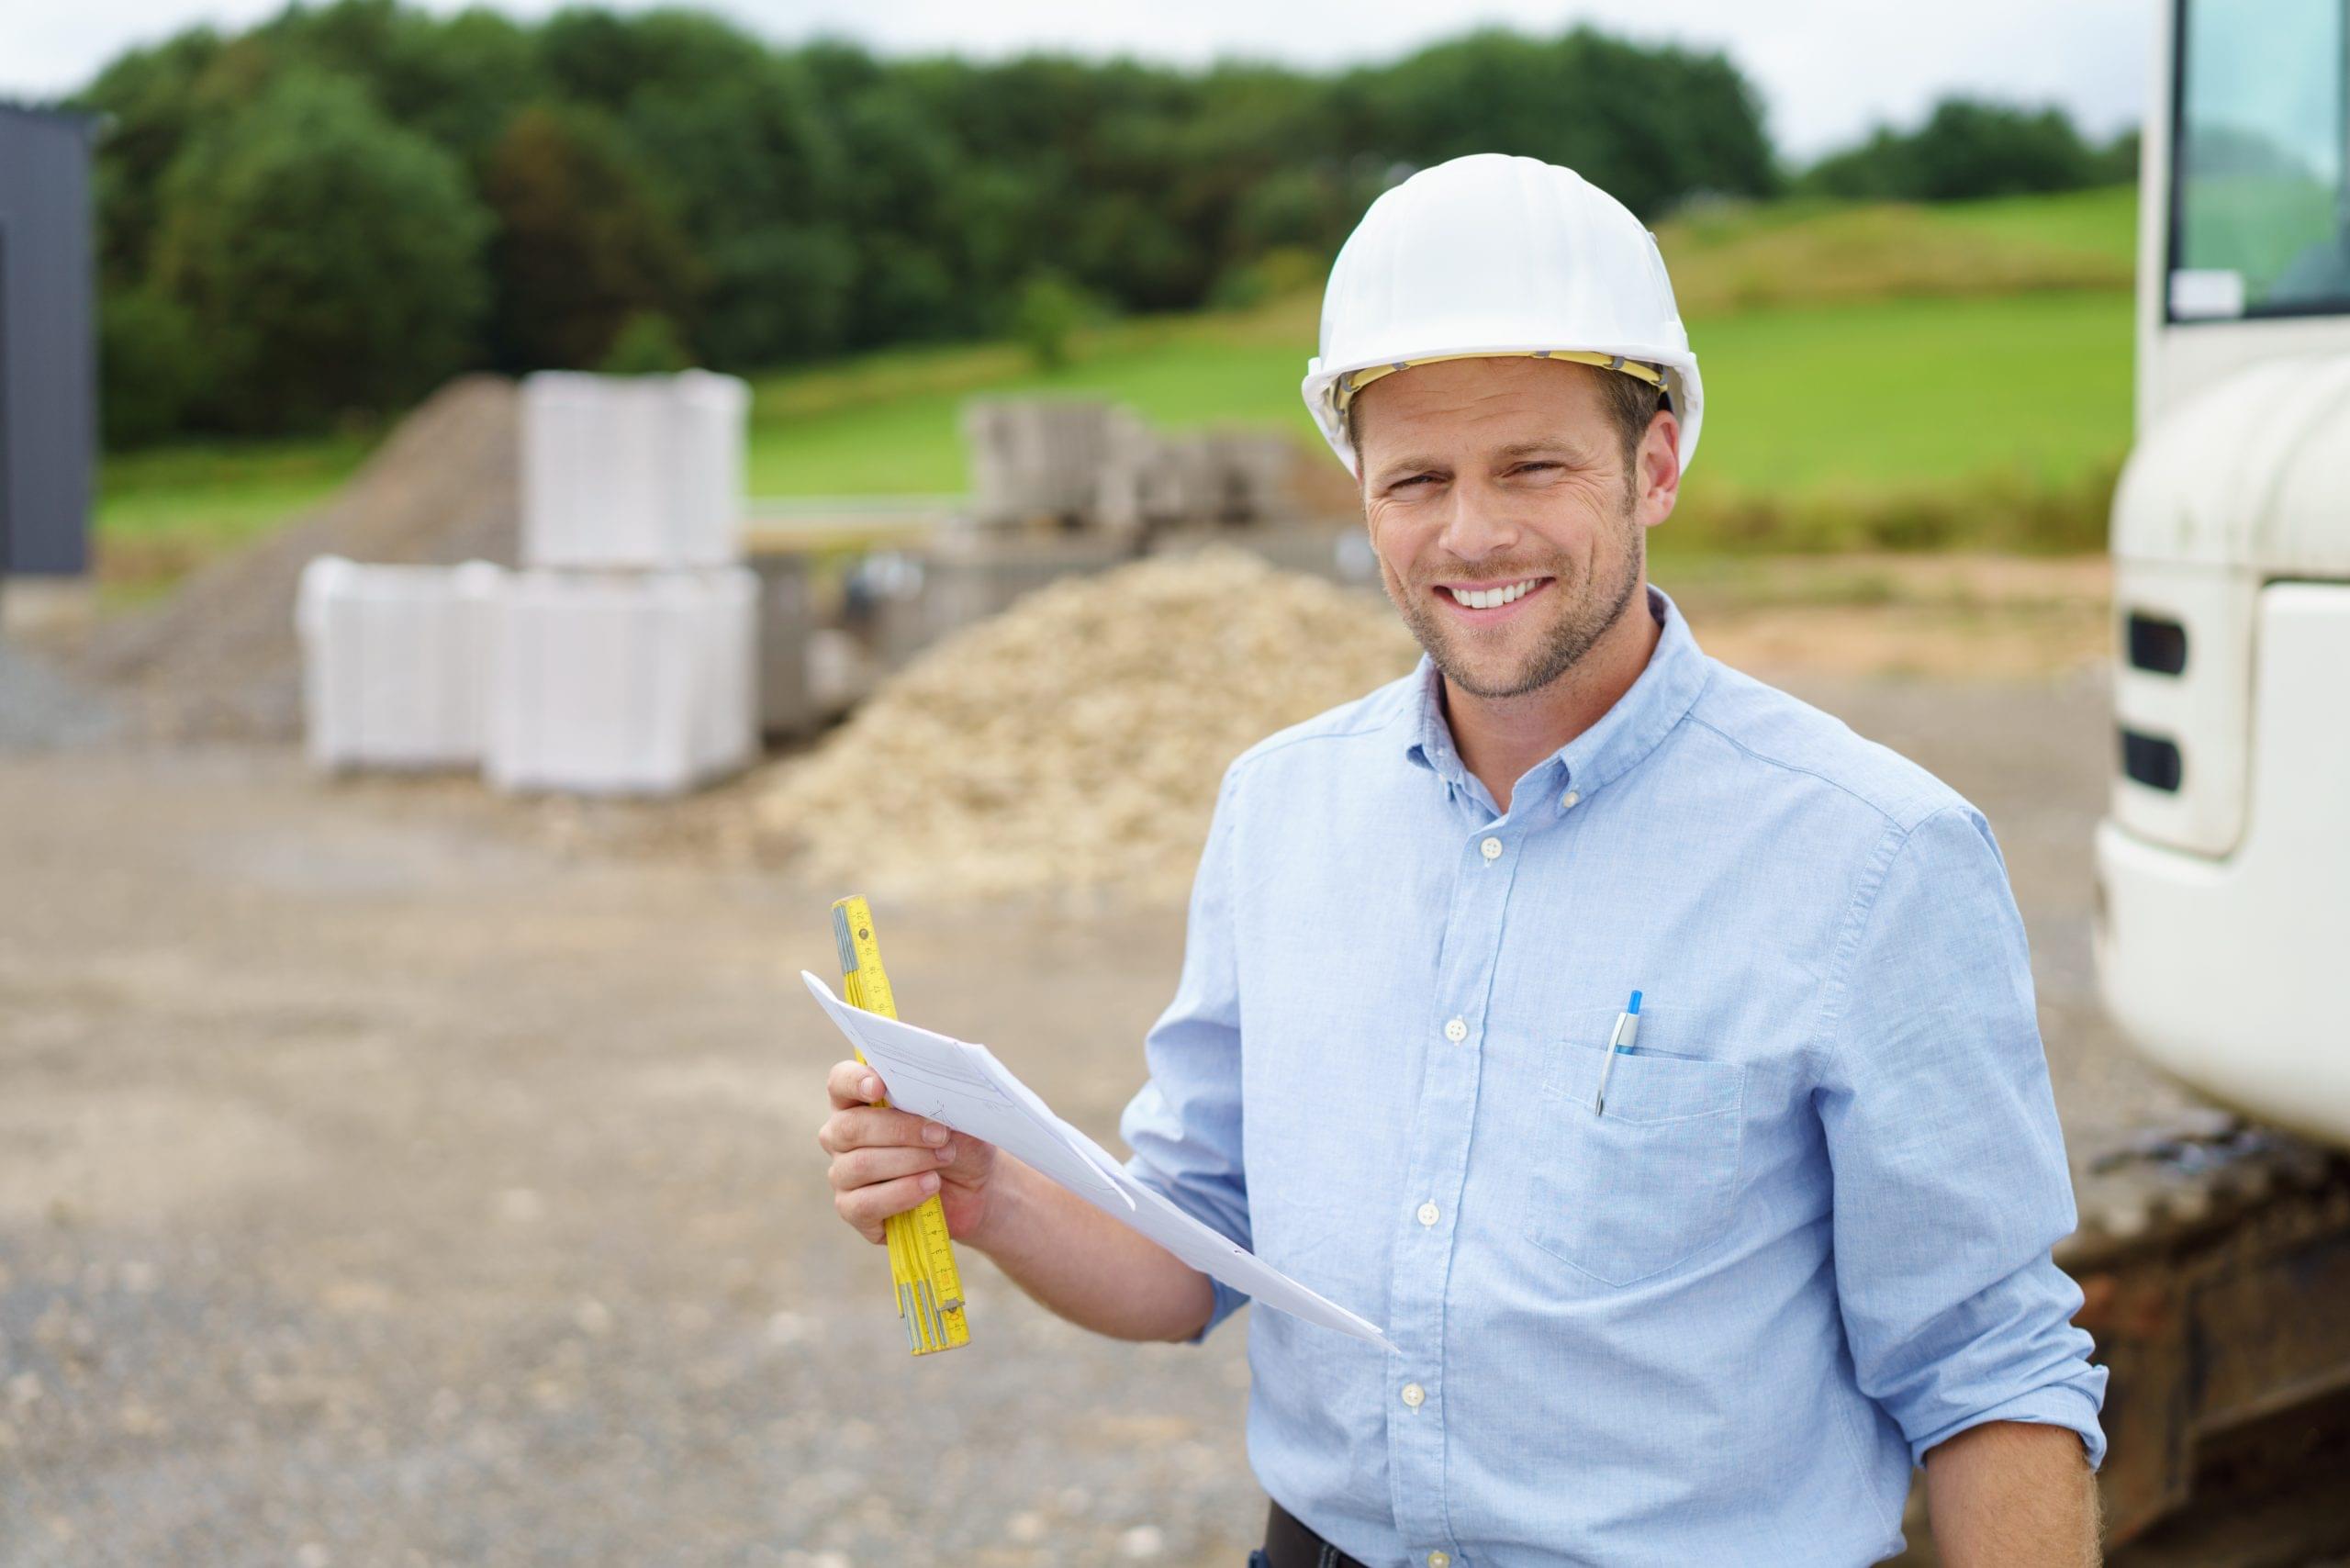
(218, 659)
(1075, 742)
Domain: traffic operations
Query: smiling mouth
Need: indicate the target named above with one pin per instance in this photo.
(1492, 598)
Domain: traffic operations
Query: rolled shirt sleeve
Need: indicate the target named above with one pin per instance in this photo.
(1950, 1186)
(1184, 1125)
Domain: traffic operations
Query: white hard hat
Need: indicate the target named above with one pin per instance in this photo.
(1491, 254)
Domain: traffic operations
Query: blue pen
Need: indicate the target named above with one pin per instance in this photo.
(1627, 1025)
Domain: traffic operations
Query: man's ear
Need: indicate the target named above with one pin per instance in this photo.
(1658, 464)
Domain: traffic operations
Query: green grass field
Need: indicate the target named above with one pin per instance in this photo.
(1908, 392)
(1902, 389)
(164, 511)
(225, 491)
(2102, 223)
(1846, 350)
(1896, 391)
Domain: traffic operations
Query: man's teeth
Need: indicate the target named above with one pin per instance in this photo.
(1489, 599)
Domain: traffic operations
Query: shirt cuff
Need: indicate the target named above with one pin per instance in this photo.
(2060, 1404)
(1227, 1301)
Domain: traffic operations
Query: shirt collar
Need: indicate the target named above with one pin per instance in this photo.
(1676, 672)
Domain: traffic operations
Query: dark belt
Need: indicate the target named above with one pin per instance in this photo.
(1289, 1545)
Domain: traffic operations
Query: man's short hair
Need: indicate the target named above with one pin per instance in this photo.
(1632, 405)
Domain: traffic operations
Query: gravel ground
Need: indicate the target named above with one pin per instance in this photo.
(380, 1184)
(41, 708)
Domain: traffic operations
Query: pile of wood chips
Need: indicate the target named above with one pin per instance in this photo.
(1073, 745)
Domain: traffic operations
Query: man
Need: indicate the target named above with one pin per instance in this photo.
(1801, 1242)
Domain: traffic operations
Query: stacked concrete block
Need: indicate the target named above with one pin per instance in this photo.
(1036, 458)
(1154, 480)
(608, 684)
(637, 473)
(393, 662)
(1150, 480)
(624, 656)
(1255, 473)
(1096, 465)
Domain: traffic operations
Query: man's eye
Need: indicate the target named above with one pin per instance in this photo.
(1414, 479)
(1535, 467)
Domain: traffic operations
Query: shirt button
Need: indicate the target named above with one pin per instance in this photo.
(1413, 1394)
(1491, 849)
(1456, 1031)
(1567, 802)
(1427, 1213)
(1439, 1559)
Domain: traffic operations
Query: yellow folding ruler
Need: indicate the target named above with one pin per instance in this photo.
(922, 1258)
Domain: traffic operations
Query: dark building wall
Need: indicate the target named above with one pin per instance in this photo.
(49, 405)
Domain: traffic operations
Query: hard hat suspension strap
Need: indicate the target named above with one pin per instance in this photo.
(1343, 390)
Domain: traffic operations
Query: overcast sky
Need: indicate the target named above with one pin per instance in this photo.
(1827, 68)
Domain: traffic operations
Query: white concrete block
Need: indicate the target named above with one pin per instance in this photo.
(640, 472)
(639, 684)
(392, 662)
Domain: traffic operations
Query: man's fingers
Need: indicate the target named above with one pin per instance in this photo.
(852, 1083)
(867, 1208)
(874, 1127)
(885, 1160)
(866, 1166)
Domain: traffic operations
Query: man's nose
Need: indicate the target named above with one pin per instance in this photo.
(1479, 523)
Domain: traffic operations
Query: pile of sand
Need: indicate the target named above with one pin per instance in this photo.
(218, 659)
(1075, 742)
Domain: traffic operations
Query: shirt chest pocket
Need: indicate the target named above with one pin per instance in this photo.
(1650, 1183)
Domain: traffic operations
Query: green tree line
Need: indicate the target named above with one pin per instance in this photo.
(1967, 148)
(330, 213)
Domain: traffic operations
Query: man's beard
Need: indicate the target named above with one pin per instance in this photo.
(1593, 613)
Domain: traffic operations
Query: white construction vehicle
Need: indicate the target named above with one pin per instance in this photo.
(2226, 860)
(2217, 1264)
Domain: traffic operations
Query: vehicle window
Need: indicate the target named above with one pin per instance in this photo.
(2261, 212)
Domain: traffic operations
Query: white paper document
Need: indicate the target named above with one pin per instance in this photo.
(963, 1086)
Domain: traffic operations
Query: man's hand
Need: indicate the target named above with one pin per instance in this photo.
(1062, 1250)
(2013, 1495)
(886, 1161)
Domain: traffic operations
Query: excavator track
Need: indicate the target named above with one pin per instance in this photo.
(2213, 1256)
(2183, 1181)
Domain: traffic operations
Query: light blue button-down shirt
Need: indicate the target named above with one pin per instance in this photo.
(1807, 1240)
